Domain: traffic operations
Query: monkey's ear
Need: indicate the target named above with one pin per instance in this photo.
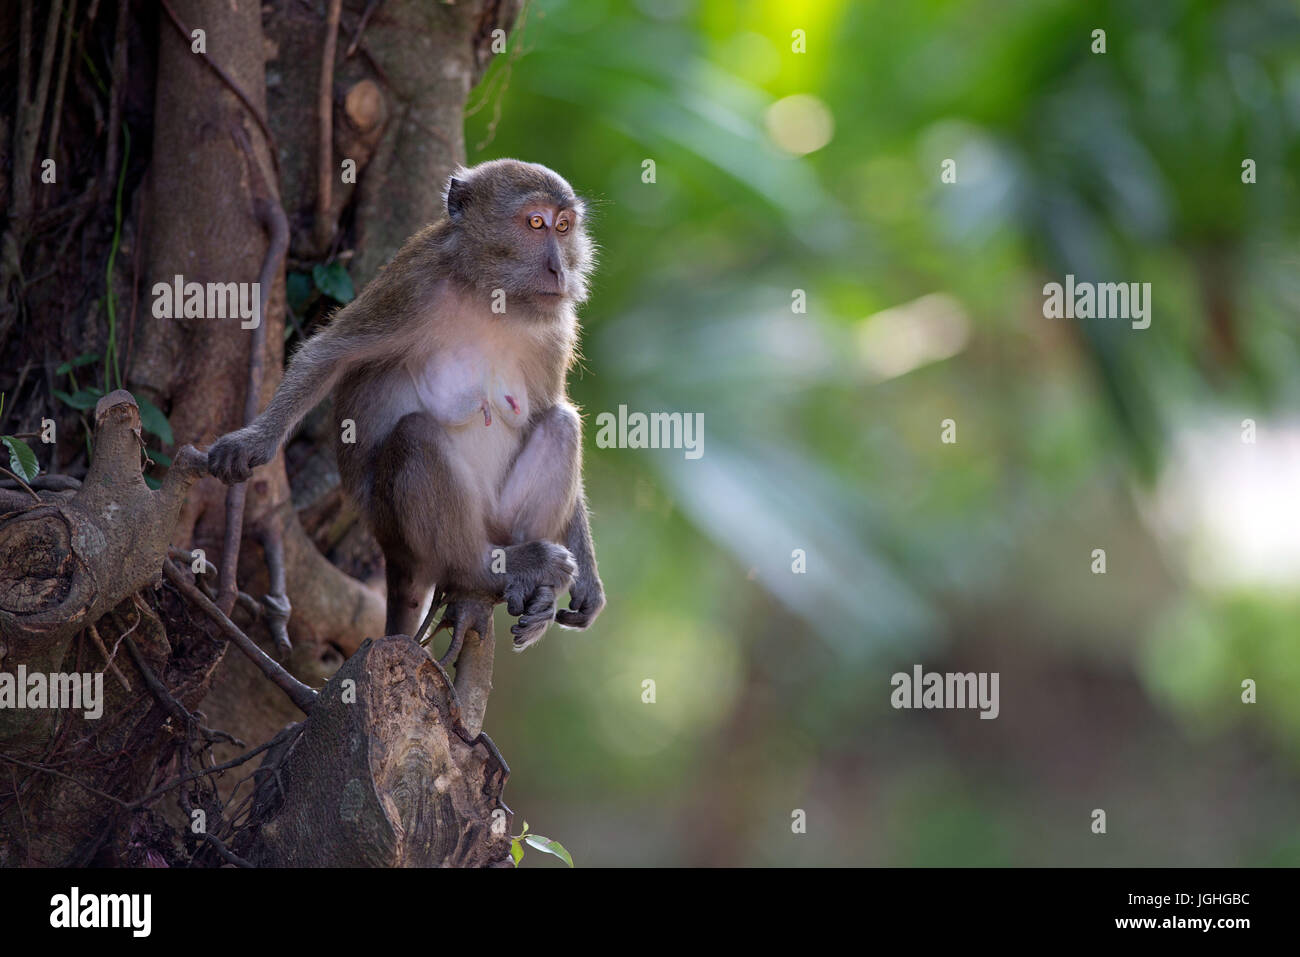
(457, 198)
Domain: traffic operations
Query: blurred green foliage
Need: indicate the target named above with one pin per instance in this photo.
(822, 428)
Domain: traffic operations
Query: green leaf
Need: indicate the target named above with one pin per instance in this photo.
(82, 400)
(516, 851)
(22, 460)
(153, 420)
(160, 458)
(334, 281)
(152, 482)
(85, 359)
(298, 290)
(548, 846)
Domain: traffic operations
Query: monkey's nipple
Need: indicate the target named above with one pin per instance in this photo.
(487, 413)
(510, 400)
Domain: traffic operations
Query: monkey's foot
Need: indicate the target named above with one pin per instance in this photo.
(462, 616)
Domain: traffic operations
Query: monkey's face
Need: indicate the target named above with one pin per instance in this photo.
(520, 229)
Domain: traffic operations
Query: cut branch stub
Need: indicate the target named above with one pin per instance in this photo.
(64, 562)
(384, 774)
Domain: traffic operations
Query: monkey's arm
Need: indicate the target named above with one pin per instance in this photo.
(311, 376)
(586, 594)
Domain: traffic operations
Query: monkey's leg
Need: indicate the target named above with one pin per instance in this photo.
(543, 499)
(537, 500)
(539, 492)
(407, 589)
(428, 523)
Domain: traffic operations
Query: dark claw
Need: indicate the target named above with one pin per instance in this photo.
(453, 649)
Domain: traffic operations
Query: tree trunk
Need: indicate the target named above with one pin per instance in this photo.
(384, 774)
(236, 136)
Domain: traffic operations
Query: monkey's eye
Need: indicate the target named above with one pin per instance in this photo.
(562, 226)
(536, 221)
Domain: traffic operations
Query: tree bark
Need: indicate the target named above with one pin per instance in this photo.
(418, 783)
(384, 774)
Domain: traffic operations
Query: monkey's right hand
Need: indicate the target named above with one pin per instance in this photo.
(233, 457)
(535, 573)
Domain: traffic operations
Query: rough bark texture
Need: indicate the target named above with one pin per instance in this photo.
(384, 774)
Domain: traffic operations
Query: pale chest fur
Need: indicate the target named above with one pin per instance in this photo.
(475, 378)
(481, 376)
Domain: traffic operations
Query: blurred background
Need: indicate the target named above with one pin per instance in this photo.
(776, 171)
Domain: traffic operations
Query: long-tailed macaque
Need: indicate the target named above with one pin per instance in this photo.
(452, 362)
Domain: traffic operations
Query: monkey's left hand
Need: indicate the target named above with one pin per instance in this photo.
(586, 599)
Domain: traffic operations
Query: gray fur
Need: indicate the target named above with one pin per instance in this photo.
(408, 360)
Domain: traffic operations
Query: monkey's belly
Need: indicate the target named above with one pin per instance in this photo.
(483, 454)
